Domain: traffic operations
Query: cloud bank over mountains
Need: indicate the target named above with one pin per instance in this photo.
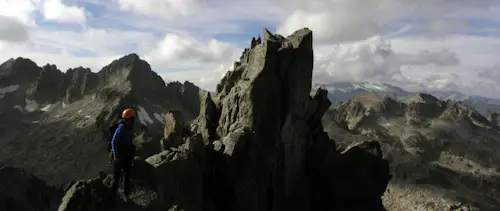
(416, 44)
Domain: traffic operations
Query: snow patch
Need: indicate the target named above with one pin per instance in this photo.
(357, 86)
(160, 117)
(63, 105)
(144, 116)
(31, 105)
(79, 111)
(88, 116)
(46, 108)
(18, 107)
(7, 89)
(36, 122)
(374, 87)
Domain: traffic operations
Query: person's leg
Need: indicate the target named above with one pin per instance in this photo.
(127, 164)
(117, 171)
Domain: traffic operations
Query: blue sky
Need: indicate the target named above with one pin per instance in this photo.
(411, 43)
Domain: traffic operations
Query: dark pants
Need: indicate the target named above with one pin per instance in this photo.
(118, 166)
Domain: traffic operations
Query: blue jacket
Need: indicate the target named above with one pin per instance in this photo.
(121, 144)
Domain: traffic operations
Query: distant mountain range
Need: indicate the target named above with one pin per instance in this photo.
(343, 91)
(436, 149)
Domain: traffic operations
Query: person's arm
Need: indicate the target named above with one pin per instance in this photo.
(116, 137)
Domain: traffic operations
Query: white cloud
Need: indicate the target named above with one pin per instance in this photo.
(95, 41)
(491, 74)
(12, 29)
(373, 59)
(55, 10)
(164, 9)
(205, 79)
(22, 10)
(174, 51)
(329, 26)
(93, 48)
(353, 20)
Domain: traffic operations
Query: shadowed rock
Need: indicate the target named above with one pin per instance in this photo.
(23, 191)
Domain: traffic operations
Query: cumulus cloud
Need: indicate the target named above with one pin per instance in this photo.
(174, 51)
(56, 10)
(353, 20)
(328, 26)
(21, 10)
(12, 30)
(491, 73)
(374, 59)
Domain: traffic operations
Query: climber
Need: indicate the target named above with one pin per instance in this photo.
(122, 151)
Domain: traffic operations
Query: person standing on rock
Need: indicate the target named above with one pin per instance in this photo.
(123, 150)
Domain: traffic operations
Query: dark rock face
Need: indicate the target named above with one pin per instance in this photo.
(18, 71)
(187, 94)
(47, 88)
(79, 82)
(23, 191)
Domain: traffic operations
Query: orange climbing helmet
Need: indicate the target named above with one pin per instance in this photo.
(128, 113)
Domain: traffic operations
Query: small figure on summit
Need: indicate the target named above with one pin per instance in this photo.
(123, 150)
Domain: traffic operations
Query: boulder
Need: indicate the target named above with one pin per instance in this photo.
(174, 129)
(95, 194)
(207, 120)
(87, 195)
(174, 123)
(495, 119)
(180, 177)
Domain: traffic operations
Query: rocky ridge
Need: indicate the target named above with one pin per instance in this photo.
(339, 92)
(255, 147)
